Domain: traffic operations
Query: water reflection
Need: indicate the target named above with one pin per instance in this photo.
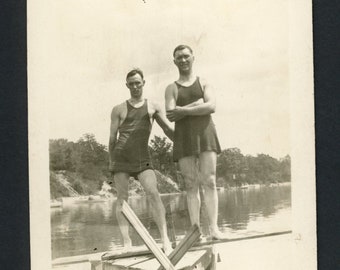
(88, 227)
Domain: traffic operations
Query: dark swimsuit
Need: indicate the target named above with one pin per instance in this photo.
(131, 154)
(193, 134)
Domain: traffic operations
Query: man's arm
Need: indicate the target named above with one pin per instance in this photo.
(161, 120)
(113, 134)
(170, 99)
(196, 108)
(207, 107)
(170, 103)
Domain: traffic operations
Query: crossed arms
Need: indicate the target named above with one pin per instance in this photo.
(203, 106)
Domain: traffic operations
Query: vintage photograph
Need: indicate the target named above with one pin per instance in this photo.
(168, 134)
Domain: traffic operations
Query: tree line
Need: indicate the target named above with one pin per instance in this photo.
(86, 161)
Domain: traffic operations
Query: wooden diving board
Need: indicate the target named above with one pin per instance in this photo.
(146, 237)
(206, 242)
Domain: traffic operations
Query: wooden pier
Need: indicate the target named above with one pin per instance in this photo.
(189, 253)
(196, 259)
(262, 249)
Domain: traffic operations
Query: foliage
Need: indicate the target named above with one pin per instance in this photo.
(86, 159)
(86, 164)
(237, 169)
(57, 190)
(165, 184)
(161, 155)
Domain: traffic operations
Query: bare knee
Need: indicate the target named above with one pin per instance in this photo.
(119, 202)
(152, 194)
(155, 202)
(208, 180)
(191, 183)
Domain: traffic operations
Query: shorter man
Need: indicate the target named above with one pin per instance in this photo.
(129, 155)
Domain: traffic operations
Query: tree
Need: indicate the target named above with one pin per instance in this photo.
(61, 154)
(285, 169)
(86, 158)
(86, 164)
(237, 169)
(263, 168)
(91, 157)
(231, 165)
(161, 155)
(91, 151)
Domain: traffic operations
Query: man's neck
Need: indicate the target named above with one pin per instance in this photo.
(186, 77)
(134, 100)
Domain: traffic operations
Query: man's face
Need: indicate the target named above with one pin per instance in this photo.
(135, 83)
(183, 60)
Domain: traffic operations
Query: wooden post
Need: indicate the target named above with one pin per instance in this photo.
(170, 222)
(186, 243)
(214, 258)
(146, 237)
(96, 265)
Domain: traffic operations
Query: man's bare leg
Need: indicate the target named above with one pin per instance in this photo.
(207, 161)
(189, 171)
(149, 182)
(122, 186)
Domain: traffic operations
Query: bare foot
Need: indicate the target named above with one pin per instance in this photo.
(167, 248)
(127, 245)
(217, 235)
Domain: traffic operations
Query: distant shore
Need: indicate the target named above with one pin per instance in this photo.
(97, 198)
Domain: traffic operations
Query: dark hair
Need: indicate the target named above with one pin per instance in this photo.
(134, 72)
(182, 47)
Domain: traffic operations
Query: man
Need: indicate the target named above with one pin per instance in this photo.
(190, 101)
(129, 154)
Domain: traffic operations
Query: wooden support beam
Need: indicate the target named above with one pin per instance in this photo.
(202, 263)
(214, 258)
(170, 222)
(184, 245)
(146, 237)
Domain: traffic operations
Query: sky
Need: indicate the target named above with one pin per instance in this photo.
(241, 48)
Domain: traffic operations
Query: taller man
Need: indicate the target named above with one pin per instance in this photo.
(189, 102)
(129, 155)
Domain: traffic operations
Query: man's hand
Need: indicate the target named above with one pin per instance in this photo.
(176, 114)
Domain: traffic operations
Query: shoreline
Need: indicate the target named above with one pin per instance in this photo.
(87, 198)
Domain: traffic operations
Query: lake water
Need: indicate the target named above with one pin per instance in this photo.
(92, 227)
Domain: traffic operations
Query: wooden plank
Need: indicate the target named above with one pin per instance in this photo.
(114, 256)
(212, 242)
(76, 259)
(197, 245)
(199, 259)
(139, 251)
(125, 264)
(146, 237)
(184, 245)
